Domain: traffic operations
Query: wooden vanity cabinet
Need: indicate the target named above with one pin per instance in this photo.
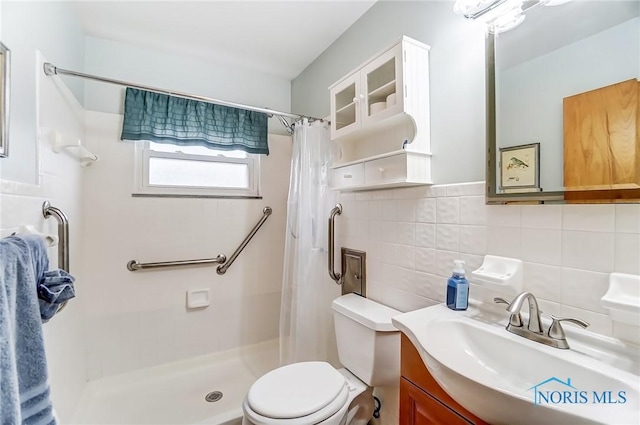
(422, 400)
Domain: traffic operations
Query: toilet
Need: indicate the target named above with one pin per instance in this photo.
(309, 393)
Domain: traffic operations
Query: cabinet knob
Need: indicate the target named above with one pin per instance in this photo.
(361, 97)
(381, 170)
(355, 99)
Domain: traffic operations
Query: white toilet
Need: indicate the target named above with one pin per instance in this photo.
(309, 393)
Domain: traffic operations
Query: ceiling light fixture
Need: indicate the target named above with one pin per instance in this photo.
(472, 9)
(499, 15)
(554, 2)
(507, 22)
(488, 10)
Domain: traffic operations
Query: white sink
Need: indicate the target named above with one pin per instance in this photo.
(506, 379)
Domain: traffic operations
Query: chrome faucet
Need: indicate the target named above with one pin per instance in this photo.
(515, 319)
(534, 311)
(553, 337)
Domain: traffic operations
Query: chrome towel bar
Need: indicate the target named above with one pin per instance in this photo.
(266, 212)
(337, 210)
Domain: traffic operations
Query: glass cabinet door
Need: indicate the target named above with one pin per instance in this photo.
(381, 83)
(345, 105)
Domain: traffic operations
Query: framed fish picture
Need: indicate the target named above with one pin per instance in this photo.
(520, 168)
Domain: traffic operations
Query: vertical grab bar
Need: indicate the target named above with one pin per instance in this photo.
(337, 210)
(63, 238)
(63, 233)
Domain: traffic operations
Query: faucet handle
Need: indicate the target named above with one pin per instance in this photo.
(514, 319)
(556, 331)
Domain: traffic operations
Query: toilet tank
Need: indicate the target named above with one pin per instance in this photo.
(368, 343)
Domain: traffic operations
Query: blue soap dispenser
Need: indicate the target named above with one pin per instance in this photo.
(458, 288)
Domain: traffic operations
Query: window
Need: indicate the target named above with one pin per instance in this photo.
(172, 170)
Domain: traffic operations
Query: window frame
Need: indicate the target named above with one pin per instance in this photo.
(142, 188)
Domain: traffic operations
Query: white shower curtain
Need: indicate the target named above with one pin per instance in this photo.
(306, 322)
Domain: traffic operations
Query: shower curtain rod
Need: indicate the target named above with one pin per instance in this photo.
(51, 69)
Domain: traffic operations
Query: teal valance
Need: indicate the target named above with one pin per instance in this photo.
(162, 118)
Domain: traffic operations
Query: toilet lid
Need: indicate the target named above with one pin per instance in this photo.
(295, 390)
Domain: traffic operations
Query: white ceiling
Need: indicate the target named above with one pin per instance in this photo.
(279, 38)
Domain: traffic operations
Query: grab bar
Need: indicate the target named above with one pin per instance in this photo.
(63, 238)
(337, 210)
(135, 265)
(63, 233)
(223, 268)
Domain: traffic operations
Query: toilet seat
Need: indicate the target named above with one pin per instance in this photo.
(300, 393)
(336, 408)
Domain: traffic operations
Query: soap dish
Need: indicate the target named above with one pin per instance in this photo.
(623, 298)
(501, 274)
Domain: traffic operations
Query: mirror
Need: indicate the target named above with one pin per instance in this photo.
(549, 137)
(5, 62)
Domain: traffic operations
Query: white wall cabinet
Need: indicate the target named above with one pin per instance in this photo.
(380, 120)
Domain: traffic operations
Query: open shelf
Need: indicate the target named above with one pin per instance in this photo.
(384, 155)
(346, 115)
(371, 158)
(380, 94)
(346, 107)
(384, 185)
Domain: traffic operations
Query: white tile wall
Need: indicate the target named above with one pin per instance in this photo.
(588, 250)
(542, 216)
(447, 237)
(627, 218)
(591, 218)
(504, 241)
(413, 235)
(60, 181)
(447, 210)
(568, 250)
(145, 311)
(426, 210)
(627, 252)
(542, 246)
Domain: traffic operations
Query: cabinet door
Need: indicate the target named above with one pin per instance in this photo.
(601, 138)
(419, 408)
(345, 106)
(380, 79)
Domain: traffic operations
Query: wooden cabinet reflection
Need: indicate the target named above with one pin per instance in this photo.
(602, 143)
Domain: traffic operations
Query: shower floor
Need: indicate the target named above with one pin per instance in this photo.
(175, 393)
